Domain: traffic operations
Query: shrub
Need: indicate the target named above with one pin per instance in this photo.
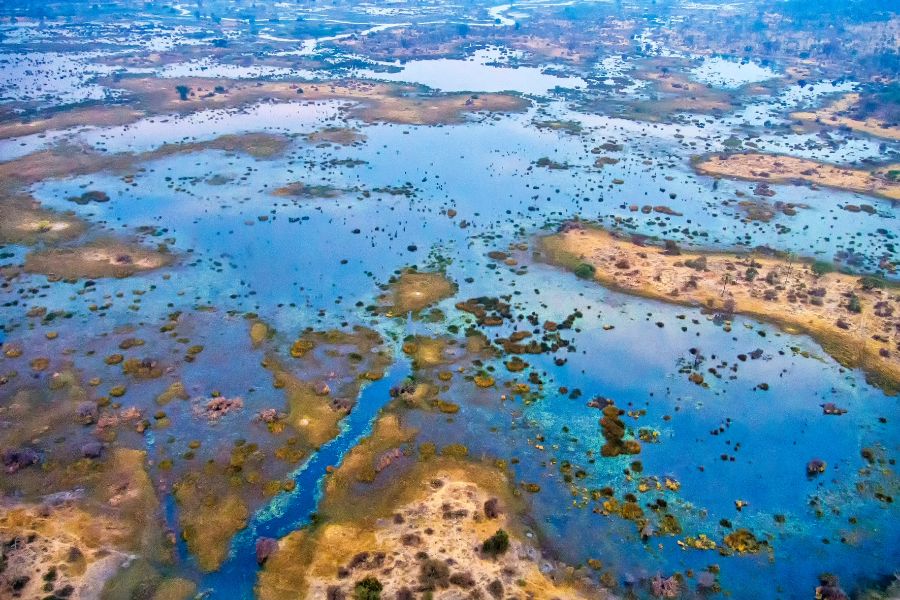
(497, 544)
(463, 580)
(585, 271)
(427, 450)
(368, 588)
(434, 574)
(698, 264)
(870, 283)
(820, 267)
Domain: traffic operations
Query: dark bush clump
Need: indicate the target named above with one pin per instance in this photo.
(463, 580)
(434, 574)
(698, 264)
(496, 544)
(869, 283)
(585, 271)
(820, 268)
(368, 588)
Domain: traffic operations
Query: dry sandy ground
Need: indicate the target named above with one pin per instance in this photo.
(430, 543)
(75, 544)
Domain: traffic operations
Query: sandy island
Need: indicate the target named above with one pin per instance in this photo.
(855, 319)
(776, 168)
(25, 222)
(394, 103)
(838, 114)
(100, 258)
(427, 537)
(413, 291)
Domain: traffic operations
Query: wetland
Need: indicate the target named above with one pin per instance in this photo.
(418, 300)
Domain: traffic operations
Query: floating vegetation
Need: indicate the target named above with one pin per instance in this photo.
(298, 189)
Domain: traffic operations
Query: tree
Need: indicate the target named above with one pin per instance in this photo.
(183, 91)
(726, 279)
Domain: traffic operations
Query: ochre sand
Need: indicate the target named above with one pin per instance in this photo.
(436, 512)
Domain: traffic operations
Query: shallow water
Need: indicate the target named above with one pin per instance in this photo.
(476, 73)
(292, 511)
(317, 262)
(211, 219)
(721, 72)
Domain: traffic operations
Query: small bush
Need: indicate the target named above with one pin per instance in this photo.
(368, 588)
(698, 264)
(497, 544)
(427, 450)
(495, 588)
(820, 268)
(463, 580)
(585, 271)
(870, 283)
(434, 574)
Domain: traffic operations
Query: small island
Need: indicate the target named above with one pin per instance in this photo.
(855, 318)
